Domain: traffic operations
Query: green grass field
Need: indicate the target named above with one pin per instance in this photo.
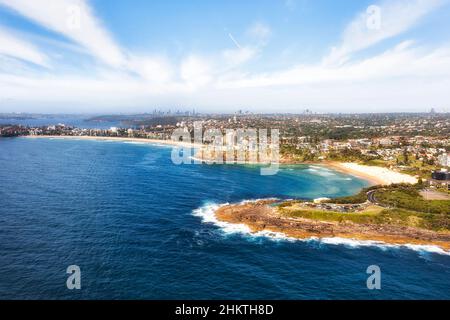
(401, 205)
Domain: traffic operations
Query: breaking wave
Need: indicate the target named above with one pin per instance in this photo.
(207, 215)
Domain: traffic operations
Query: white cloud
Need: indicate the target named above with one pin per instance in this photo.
(57, 16)
(14, 47)
(152, 69)
(406, 75)
(406, 78)
(402, 61)
(260, 32)
(61, 16)
(395, 18)
(235, 57)
(195, 72)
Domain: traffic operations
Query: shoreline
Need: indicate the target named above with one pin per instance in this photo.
(373, 180)
(373, 175)
(260, 217)
(120, 139)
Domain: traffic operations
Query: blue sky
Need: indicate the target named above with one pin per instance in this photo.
(220, 56)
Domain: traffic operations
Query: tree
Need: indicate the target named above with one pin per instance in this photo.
(405, 156)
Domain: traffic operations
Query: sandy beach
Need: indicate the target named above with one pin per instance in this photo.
(375, 175)
(123, 139)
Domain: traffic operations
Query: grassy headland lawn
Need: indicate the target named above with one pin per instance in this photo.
(401, 205)
(396, 214)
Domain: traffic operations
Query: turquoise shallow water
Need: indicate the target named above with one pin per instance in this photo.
(140, 227)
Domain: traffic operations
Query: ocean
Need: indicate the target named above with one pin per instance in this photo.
(140, 227)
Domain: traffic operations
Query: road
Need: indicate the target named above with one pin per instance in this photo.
(372, 199)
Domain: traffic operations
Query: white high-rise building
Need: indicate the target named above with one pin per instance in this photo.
(444, 160)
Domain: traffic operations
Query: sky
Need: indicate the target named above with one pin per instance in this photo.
(111, 56)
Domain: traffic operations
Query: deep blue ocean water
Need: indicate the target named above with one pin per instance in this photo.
(123, 213)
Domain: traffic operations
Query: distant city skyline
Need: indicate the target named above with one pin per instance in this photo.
(185, 112)
(265, 56)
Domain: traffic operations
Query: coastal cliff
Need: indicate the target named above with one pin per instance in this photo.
(265, 216)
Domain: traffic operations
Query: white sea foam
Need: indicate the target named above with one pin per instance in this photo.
(320, 171)
(316, 167)
(207, 214)
(102, 139)
(155, 144)
(147, 143)
(382, 245)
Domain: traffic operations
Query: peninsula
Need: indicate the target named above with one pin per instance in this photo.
(396, 214)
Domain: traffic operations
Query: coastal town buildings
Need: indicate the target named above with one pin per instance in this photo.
(444, 159)
(414, 143)
(441, 178)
